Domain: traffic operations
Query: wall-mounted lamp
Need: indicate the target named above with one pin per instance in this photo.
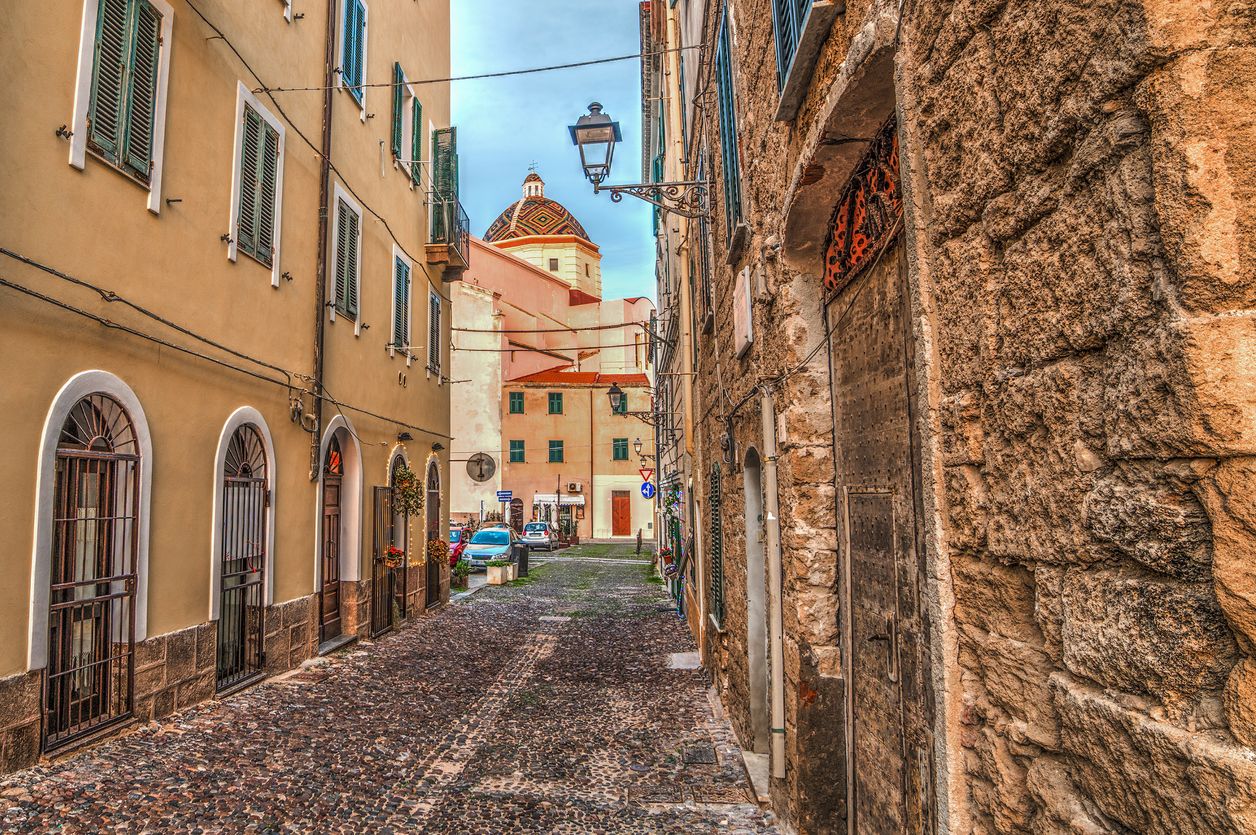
(437, 447)
(404, 436)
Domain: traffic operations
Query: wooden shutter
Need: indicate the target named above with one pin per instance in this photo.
(250, 162)
(357, 47)
(401, 304)
(104, 117)
(416, 142)
(731, 166)
(398, 99)
(444, 180)
(433, 333)
(347, 223)
(141, 96)
(267, 196)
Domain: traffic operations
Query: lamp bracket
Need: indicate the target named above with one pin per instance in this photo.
(687, 198)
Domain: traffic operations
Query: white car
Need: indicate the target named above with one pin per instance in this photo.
(540, 535)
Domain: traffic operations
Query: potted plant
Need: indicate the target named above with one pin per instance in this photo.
(394, 557)
(498, 572)
(461, 572)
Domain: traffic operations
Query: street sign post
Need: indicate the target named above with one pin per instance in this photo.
(647, 490)
(646, 473)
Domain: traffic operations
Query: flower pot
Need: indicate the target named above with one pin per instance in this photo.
(498, 575)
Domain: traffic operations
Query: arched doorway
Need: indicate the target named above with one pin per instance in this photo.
(434, 566)
(756, 604)
(516, 515)
(329, 589)
(242, 561)
(94, 572)
(388, 568)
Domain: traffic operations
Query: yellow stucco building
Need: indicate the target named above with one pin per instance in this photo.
(537, 349)
(224, 326)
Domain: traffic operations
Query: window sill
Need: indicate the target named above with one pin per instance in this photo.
(816, 30)
(716, 625)
(737, 242)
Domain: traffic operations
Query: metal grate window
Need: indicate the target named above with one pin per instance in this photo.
(715, 546)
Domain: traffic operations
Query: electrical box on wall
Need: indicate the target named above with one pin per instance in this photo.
(743, 325)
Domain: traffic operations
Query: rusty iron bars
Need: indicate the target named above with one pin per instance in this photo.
(89, 680)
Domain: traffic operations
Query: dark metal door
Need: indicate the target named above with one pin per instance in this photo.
(245, 499)
(384, 615)
(329, 593)
(89, 680)
(434, 566)
(889, 744)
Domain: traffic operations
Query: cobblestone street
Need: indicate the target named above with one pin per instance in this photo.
(546, 706)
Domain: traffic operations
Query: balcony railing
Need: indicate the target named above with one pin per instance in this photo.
(451, 235)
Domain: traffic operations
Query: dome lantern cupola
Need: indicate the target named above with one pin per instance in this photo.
(534, 216)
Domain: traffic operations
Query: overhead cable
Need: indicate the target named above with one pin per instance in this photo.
(500, 74)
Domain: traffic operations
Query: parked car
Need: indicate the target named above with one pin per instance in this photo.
(493, 544)
(540, 535)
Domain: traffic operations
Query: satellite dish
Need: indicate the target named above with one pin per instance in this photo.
(481, 466)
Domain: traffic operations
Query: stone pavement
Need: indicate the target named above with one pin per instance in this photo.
(546, 706)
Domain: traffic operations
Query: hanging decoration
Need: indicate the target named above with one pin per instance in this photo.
(869, 208)
(407, 491)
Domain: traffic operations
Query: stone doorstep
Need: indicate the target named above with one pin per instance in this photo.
(342, 640)
(758, 771)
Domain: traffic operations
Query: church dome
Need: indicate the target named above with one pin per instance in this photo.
(534, 215)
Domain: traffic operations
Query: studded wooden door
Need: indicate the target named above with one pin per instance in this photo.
(888, 746)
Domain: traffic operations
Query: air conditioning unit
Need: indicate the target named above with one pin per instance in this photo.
(575, 487)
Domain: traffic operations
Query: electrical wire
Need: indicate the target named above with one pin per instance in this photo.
(499, 74)
(551, 330)
(318, 152)
(549, 350)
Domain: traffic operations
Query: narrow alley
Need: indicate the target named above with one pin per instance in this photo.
(545, 706)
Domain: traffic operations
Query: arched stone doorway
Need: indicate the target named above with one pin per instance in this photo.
(340, 526)
(435, 567)
(93, 572)
(388, 567)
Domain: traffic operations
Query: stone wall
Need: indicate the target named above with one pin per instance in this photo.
(1080, 176)
(1079, 180)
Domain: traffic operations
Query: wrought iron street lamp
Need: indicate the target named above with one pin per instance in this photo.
(618, 407)
(595, 135)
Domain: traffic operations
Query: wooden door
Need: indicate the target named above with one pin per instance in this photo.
(889, 745)
(330, 591)
(621, 513)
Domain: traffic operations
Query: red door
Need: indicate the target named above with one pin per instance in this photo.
(621, 513)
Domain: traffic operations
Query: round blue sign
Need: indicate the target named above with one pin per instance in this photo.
(647, 490)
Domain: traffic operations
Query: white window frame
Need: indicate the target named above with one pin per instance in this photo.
(83, 94)
(398, 255)
(243, 97)
(340, 53)
(433, 298)
(338, 194)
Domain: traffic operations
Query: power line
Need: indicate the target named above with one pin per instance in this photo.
(551, 330)
(500, 74)
(549, 350)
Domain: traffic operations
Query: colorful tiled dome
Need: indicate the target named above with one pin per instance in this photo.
(534, 215)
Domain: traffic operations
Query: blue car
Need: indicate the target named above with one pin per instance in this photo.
(493, 544)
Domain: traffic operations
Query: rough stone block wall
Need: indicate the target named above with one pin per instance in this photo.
(1080, 192)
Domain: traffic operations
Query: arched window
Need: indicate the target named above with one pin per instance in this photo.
(715, 546)
(94, 571)
(242, 565)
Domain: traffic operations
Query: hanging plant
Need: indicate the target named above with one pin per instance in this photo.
(407, 491)
(438, 550)
(395, 557)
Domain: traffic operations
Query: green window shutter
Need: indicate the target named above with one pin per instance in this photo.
(267, 196)
(516, 402)
(141, 95)
(398, 99)
(250, 163)
(727, 118)
(108, 78)
(516, 452)
(433, 333)
(416, 143)
(351, 69)
(619, 449)
(556, 403)
(401, 303)
(556, 452)
(351, 285)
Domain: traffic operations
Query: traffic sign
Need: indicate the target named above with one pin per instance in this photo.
(646, 473)
(647, 490)
(504, 496)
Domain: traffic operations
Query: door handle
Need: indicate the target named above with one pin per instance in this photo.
(890, 637)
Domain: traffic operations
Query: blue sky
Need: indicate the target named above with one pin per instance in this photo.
(505, 124)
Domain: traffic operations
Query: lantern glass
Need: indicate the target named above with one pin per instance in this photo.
(636, 446)
(595, 134)
(616, 395)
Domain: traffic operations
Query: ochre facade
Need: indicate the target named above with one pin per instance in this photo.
(186, 344)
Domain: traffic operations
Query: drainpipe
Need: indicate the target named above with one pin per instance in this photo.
(320, 272)
(775, 629)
